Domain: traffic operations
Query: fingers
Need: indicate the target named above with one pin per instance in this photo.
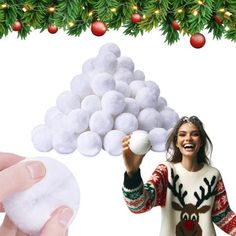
(8, 159)
(125, 142)
(20, 177)
(20, 233)
(7, 228)
(58, 224)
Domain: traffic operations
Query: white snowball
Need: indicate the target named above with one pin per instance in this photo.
(92, 75)
(125, 62)
(50, 114)
(135, 86)
(139, 142)
(102, 83)
(158, 138)
(123, 74)
(169, 118)
(105, 62)
(139, 75)
(42, 138)
(67, 101)
(80, 85)
(154, 87)
(64, 142)
(77, 121)
(91, 104)
(113, 142)
(126, 122)
(113, 102)
(100, 122)
(88, 65)
(146, 97)
(131, 106)
(111, 47)
(123, 88)
(161, 104)
(89, 143)
(149, 118)
(31, 209)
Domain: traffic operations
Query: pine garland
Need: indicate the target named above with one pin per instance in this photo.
(76, 16)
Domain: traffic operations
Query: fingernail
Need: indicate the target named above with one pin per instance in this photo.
(65, 216)
(36, 169)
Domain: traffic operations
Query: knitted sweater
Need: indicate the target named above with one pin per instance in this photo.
(190, 201)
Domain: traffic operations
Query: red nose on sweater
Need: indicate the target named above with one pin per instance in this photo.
(188, 225)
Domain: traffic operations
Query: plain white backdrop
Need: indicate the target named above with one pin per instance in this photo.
(34, 71)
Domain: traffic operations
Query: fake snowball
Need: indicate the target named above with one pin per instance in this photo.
(64, 142)
(113, 142)
(124, 75)
(169, 118)
(42, 138)
(111, 47)
(113, 102)
(67, 101)
(125, 62)
(89, 144)
(100, 122)
(91, 104)
(88, 65)
(80, 85)
(131, 106)
(158, 137)
(31, 209)
(161, 104)
(126, 122)
(154, 87)
(77, 121)
(102, 83)
(146, 97)
(123, 88)
(139, 75)
(149, 118)
(135, 86)
(139, 142)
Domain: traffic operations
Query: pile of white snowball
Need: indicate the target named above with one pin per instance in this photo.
(108, 100)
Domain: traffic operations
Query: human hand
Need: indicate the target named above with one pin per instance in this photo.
(15, 177)
(132, 160)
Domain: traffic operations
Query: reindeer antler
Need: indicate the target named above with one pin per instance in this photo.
(178, 194)
(210, 191)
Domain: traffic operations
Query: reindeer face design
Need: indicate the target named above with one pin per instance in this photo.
(189, 217)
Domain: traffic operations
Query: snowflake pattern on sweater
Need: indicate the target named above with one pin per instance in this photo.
(141, 197)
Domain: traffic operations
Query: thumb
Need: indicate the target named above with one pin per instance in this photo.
(19, 177)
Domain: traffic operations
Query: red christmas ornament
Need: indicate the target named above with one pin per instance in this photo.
(17, 26)
(197, 40)
(136, 18)
(98, 28)
(52, 29)
(218, 20)
(175, 25)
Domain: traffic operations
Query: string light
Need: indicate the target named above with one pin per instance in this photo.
(71, 24)
(227, 14)
(4, 6)
(195, 12)
(51, 9)
(90, 13)
(27, 7)
(157, 11)
(180, 10)
(135, 7)
(221, 10)
(200, 2)
(113, 9)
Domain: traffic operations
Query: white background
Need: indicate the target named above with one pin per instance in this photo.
(33, 72)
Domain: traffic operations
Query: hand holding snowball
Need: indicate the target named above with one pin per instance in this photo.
(16, 176)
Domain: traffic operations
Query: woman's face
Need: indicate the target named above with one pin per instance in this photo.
(188, 140)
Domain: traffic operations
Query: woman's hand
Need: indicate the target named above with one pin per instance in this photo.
(15, 177)
(132, 161)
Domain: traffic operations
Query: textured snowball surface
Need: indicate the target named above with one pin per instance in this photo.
(42, 138)
(125, 62)
(110, 47)
(91, 104)
(123, 88)
(88, 65)
(161, 104)
(169, 118)
(113, 102)
(135, 86)
(123, 74)
(126, 122)
(131, 106)
(89, 144)
(158, 137)
(31, 209)
(113, 142)
(154, 87)
(139, 75)
(139, 142)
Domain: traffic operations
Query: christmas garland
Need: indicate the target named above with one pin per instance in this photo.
(172, 17)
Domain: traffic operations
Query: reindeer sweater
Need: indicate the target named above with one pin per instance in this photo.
(190, 201)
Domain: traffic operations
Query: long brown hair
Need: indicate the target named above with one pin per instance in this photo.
(173, 153)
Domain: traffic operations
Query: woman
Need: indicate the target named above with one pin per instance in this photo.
(190, 192)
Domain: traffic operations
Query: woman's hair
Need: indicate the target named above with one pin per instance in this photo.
(173, 153)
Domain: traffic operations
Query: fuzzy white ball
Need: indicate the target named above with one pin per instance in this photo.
(91, 104)
(126, 122)
(161, 104)
(158, 137)
(102, 83)
(67, 101)
(42, 138)
(31, 209)
(111, 47)
(123, 88)
(154, 87)
(139, 75)
(125, 75)
(113, 142)
(113, 102)
(131, 106)
(88, 65)
(100, 122)
(125, 62)
(169, 118)
(135, 86)
(89, 143)
(139, 142)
